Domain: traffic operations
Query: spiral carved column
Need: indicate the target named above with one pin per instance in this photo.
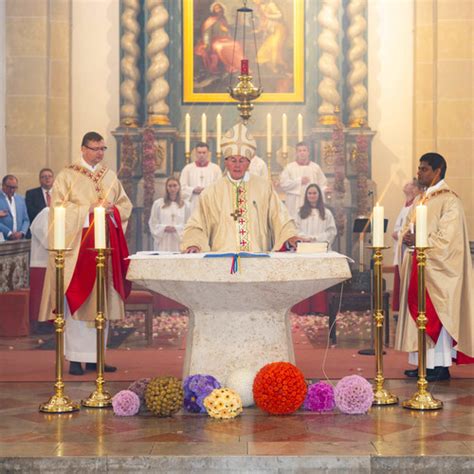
(158, 110)
(357, 101)
(328, 20)
(130, 98)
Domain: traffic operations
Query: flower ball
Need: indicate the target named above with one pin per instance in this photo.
(223, 404)
(126, 403)
(241, 381)
(139, 387)
(164, 396)
(353, 395)
(279, 388)
(320, 397)
(196, 388)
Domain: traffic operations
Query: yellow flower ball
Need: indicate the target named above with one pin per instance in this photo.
(223, 404)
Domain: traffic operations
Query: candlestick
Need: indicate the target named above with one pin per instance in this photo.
(203, 128)
(269, 133)
(59, 228)
(377, 226)
(99, 227)
(218, 132)
(300, 128)
(187, 133)
(421, 226)
(284, 133)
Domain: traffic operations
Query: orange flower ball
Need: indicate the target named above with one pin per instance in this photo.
(279, 388)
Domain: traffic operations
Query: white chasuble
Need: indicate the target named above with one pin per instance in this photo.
(228, 220)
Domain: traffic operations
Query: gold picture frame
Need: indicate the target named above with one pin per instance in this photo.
(282, 72)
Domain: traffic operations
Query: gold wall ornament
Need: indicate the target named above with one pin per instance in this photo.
(100, 398)
(422, 398)
(381, 395)
(59, 402)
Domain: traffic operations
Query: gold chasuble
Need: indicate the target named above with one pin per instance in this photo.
(239, 216)
(77, 189)
(449, 279)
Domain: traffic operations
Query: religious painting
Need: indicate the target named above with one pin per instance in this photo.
(213, 47)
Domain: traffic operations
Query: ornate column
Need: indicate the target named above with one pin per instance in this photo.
(158, 109)
(130, 98)
(357, 101)
(328, 42)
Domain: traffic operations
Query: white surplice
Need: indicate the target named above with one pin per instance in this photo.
(162, 216)
(258, 167)
(317, 229)
(290, 182)
(193, 176)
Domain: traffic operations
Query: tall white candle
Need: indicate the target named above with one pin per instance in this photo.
(99, 228)
(218, 132)
(300, 128)
(269, 133)
(377, 226)
(59, 228)
(204, 128)
(421, 226)
(284, 133)
(187, 133)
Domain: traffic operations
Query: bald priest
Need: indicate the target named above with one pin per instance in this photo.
(240, 212)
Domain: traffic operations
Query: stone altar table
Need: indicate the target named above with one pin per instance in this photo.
(237, 320)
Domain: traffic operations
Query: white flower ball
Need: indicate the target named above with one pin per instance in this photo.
(241, 381)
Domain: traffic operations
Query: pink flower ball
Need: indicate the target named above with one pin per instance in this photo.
(126, 403)
(353, 395)
(320, 397)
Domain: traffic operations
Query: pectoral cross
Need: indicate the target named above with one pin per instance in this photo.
(236, 214)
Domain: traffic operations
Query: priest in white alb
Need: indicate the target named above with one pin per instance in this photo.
(240, 212)
(196, 176)
(296, 177)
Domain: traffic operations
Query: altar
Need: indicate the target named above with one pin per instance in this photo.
(237, 320)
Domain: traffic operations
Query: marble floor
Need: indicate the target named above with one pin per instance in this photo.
(387, 439)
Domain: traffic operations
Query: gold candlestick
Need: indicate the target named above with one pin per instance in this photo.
(59, 402)
(100, 398)
(219, 158)
(269, 164)
(187, 157)
(381, 395)
(422, 399)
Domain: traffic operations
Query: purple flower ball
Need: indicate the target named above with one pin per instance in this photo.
(139, 387)
(320, 397)
(196, 388)
(353, 395)
(126, 403)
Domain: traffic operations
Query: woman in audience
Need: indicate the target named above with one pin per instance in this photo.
(315, 222)
(167, 218)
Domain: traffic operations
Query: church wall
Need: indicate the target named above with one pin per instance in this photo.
(3, 150)
(390, 59)
(37, 96)
(95, 72)
(444, 100)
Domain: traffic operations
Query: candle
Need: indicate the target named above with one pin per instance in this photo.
(269, 133)
(300, 128)
(187, 133)
(59, 228)
(284, 133)
(244, 67)
(99, 228)
(377, 226)
(203, 128)
(218, 132)
(421, 226)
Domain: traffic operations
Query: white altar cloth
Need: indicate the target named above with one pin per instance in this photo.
(237, 320)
